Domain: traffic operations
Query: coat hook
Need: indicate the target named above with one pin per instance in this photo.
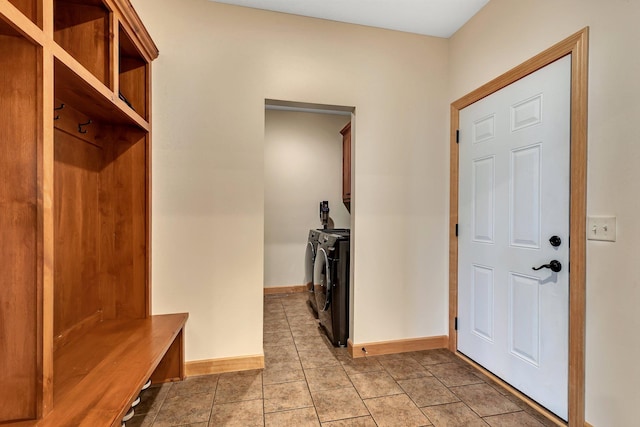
(83, 124)
(57, 117)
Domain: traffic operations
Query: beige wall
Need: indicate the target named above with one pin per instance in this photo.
(217, 65)
(302, 166)
(501, 36)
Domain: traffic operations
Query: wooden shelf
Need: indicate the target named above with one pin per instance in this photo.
(90, 96)
(98, 377)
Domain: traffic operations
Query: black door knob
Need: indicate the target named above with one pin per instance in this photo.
(554, 265)
(555, 241)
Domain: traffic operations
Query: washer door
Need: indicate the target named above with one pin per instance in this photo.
(322, 280)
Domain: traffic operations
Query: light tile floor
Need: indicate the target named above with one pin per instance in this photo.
(307, 382)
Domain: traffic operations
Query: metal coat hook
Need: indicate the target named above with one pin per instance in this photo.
(57, 117)
(83, 124)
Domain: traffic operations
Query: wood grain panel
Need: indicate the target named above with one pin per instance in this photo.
(29, 8)
(76, 230)
(76, 331)
(19, 329)
(45, 233)
(396, 346)
(225, 364)
(171, 367)
(578, 225)
(71, 121)
(83, 31)
(123, 210)
(133, 75)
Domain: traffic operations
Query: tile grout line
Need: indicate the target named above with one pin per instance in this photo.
(213, 400)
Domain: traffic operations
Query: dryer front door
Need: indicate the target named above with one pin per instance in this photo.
(322, 288)
(309, 262)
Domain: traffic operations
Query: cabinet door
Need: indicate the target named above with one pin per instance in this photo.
(346, 163)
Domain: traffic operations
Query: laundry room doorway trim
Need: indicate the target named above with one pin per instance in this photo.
(577, 46)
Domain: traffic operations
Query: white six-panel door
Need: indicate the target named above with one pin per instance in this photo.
(513, 197)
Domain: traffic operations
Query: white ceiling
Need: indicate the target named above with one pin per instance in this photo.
(440, 18)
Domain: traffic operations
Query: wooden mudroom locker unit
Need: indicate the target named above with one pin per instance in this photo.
(77, 338)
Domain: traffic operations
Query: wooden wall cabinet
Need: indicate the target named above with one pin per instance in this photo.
(77, 338)
(346, 165)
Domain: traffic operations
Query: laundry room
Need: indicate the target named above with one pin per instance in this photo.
(303, 167)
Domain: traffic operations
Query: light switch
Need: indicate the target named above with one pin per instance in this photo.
(601, 228)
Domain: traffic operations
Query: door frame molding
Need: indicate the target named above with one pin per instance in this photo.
(576, 45)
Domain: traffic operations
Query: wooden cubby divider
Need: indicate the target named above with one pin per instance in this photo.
(75, 311)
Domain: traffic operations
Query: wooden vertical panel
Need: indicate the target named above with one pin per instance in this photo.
(113, 49)
(138, 299)
(19, 257)
(453, 221)
(77, 230)
(577, 46)
(148, 192)
(171, 367)
(123, 209)
(578, 214)
(45, 232)
(46, 18)
(346, 165)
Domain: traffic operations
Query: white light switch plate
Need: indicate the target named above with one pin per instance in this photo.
(601, 228)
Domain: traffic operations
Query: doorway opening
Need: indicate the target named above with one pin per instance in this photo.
(304, 166)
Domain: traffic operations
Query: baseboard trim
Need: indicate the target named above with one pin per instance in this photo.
(222, 365)
(586, 424)
(285, 289)
(397, 346)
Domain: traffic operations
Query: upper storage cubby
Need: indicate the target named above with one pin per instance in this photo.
(82, 29)
(132, 74)
(31, 9)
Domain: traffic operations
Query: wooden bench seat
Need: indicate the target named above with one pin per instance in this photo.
(99, 375)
